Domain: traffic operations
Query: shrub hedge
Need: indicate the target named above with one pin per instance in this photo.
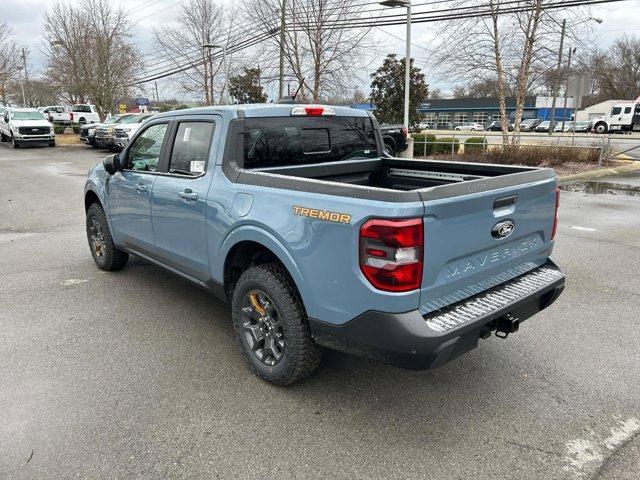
(425, 144)
(475, 145)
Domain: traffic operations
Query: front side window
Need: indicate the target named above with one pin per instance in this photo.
(287, 141)
(191, 148)
(616, 110)
(144, 152)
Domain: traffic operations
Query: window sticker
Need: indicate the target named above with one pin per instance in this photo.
(197, 166)
(187, 134)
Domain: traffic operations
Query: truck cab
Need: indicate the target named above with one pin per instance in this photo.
(623, 117)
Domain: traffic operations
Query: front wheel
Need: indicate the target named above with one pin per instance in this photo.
(601, 128)
(14, 142)
(271, 326)
(103, 250)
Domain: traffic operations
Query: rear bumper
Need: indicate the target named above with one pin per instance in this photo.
(417, 342)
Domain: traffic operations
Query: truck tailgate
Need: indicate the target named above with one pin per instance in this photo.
(464, 252)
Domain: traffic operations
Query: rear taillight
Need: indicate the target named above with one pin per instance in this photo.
(71, 117)
(391, 253)
(405, 132)
(555, 217)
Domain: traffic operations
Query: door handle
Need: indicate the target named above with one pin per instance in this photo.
(188, 194)
(141, 188)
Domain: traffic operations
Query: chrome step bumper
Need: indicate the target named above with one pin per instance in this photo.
(494, 300)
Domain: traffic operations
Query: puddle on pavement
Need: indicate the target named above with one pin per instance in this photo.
(595, 187)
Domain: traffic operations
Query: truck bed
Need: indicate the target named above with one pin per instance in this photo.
(403, 175)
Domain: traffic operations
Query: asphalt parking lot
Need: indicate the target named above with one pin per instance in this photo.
(136, 374)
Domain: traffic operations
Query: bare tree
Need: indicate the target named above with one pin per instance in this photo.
(198, 23)
(506, 49)
(321, 56)
(90, 52)
(10, 62)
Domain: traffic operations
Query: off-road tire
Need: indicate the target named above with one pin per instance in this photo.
(301, 353)
(111, 258)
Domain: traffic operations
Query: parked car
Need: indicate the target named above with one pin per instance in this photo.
(543, 126)
(84, 113)
(394, 138)
(295, 216)
(496, 126)
(469, 127)
(88, 131)
(56, 114)
(124, 130)
(529, 124)
(422, 126)
(26, 126)
(581, 127)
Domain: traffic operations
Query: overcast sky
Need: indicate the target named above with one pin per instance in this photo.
(25, 18)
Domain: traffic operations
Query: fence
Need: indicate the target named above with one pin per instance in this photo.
(453, 143)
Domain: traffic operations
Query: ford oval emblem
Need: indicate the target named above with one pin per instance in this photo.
(503, 229)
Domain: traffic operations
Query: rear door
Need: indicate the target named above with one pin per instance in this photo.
(180, 196)
(474, 242)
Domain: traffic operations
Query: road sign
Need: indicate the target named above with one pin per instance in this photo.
(122, 108)
(142, 101)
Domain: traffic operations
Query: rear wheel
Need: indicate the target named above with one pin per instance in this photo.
(388, 148)
(271, 326)
(103, 250)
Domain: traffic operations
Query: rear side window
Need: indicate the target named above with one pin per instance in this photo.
(82, 108)
(287, 141)
(191, 148)
(627, 110)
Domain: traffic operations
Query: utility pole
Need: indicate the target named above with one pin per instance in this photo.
(566, 88)
(281, 85)
(157, 95)
(556, 83)
(26, 79)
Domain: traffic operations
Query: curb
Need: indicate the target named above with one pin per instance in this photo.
(604, 172)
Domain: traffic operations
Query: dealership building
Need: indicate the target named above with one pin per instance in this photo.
(451, 112)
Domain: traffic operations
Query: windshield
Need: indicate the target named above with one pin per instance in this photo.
(285, 141)
(30, 115)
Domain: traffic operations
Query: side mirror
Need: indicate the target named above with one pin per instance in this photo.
(112, 164)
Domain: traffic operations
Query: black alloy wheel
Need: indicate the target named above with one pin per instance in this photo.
(262, 327)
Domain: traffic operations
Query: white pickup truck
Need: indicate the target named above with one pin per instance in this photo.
(56, 114)
(25, 125)
(84, 113)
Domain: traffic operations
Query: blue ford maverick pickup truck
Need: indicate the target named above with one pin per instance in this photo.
(297, 217)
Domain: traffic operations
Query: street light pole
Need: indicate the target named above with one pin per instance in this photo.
(281, 73)
(566, 88)
(225, 91)
(407, 73)
(26, 78)
(557, 82)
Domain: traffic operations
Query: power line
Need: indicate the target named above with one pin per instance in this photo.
(419, 17)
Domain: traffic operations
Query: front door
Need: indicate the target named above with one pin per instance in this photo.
(130, 190)
(179, 201)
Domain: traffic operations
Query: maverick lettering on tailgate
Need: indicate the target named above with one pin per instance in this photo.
(322, 214)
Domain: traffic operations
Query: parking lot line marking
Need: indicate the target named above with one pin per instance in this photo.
(584, 229)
